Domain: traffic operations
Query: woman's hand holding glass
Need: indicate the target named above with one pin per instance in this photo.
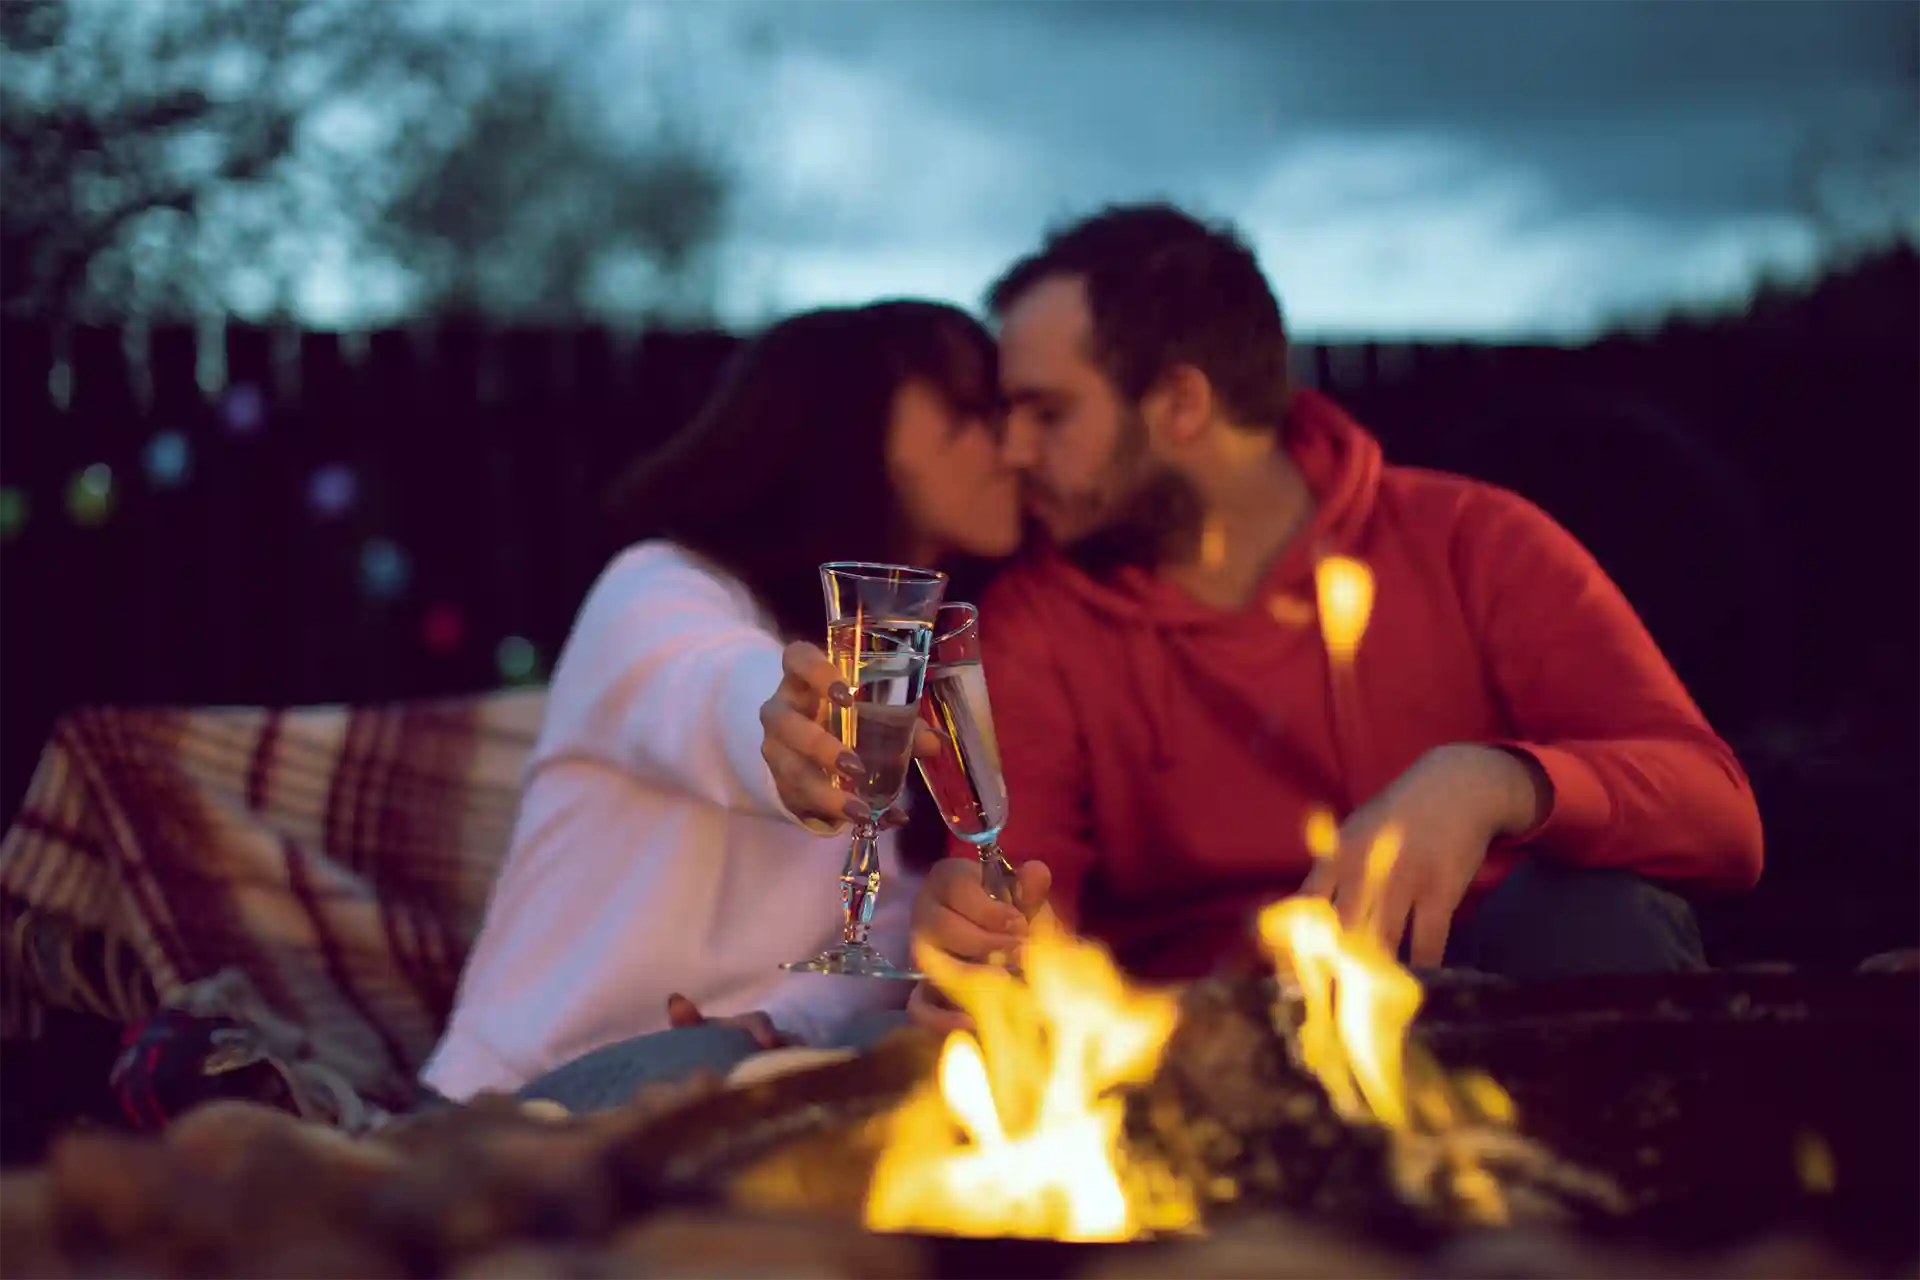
(802, 755)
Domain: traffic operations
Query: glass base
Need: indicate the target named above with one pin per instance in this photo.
(854, 960)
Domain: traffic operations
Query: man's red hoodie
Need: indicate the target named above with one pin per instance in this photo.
(1162, 756)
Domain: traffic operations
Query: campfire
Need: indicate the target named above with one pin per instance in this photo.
(1021, 1129)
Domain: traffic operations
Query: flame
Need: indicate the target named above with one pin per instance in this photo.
(1357, 1007)
(1213, 543)
(1323, 834)
(1021, 1131)
(1345, 590)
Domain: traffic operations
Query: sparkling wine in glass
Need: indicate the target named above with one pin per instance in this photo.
(879, 633)
(966, 779)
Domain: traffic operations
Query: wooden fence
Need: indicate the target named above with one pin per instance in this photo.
(249, 515)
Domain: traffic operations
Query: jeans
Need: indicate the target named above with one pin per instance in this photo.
(1547, 920)
(1544, 921)
(608, 1076)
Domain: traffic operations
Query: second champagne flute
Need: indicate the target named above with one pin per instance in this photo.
(966, 779)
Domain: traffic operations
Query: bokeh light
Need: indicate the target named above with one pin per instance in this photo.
(332, 490)
(244, 409)
(443, 629)
(518, 660)
(168, 459)
(384, 569)
(13, 511)
(60, 385)
(90, 495)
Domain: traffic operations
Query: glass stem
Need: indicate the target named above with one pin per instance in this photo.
(860, 883)
(997, 874)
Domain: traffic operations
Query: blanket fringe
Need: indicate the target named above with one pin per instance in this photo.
(52, 963)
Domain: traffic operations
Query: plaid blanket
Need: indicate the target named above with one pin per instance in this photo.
(339, 858)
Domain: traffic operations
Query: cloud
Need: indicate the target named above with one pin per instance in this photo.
(1403, 166)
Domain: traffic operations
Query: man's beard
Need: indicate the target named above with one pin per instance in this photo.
(1157, 519)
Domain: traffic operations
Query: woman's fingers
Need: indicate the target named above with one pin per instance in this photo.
(793, 733)
(808, 668)
(801, 755)
(761, 1028)
(803, 759)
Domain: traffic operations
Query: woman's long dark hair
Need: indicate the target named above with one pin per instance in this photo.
(784, 468)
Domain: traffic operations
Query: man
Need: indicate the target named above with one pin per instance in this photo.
(1167, 711)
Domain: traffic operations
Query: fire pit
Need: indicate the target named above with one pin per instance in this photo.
(1720, 1110)
(1753, 1124)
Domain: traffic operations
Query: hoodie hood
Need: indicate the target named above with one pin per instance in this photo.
(1342, 466)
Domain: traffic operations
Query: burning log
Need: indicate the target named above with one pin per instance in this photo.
(1233, 1109)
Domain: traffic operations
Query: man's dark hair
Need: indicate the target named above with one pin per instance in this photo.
(1165, 288)
(785, 466)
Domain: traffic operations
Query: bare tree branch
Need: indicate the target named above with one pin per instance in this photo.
(147, 152)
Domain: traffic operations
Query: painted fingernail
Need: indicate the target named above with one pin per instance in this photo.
(856, 811)
(840, 694)
(850, 767)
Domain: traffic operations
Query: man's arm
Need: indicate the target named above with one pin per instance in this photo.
(1635, 776)
(1041, 745)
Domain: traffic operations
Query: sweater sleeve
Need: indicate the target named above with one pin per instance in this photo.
(663, 677)
(1042, 747)
(1638, 778)
(819, 1014)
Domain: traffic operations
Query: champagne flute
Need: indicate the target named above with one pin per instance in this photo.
(879, 633)
(966, 779)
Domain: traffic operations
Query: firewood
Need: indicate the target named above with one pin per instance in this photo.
(120, 1200)
(218, 1138)
(27, 1244)
(344, 1257)
(1795, 1256)
(528, 1262)
(1541, 1253)
(1267, 1247)
(774, 1063)
(777, 1247)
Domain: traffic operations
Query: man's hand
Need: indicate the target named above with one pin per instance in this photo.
(954, 914)
(1445, 809)
(802, 756)
(682, 1012)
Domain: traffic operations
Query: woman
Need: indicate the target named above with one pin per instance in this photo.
(653, 862)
